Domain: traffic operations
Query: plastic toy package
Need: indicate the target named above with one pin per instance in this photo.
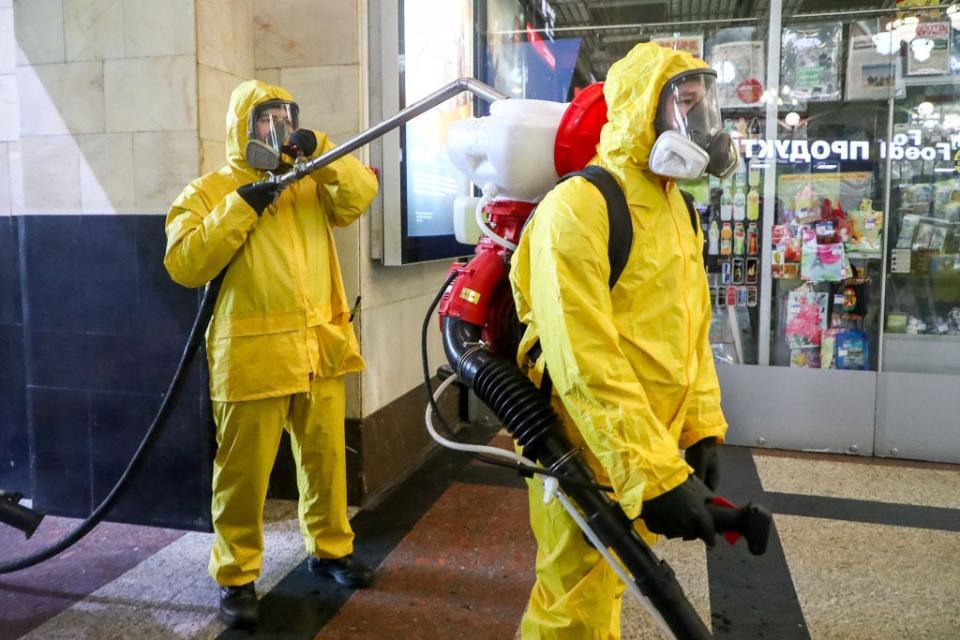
(866, 231)
(739, 52)
(785, 257)
(806, 318)
(811, 62)
(853, 350)
(805, 358)
(908, 225)
(821, 262)
(828, 349)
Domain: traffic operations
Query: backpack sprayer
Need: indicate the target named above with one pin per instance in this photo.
(517, 154)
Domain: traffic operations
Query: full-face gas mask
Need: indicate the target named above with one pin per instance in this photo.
(269, 129)
(690, 136)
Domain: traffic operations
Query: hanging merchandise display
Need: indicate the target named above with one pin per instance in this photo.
(873, 72)
(820, 262)
(827, 236)
(866, 231)
(928, 53)
(806, 317)
(732, 218)
(810, 62)
(737, 55)
(852, 350)
(785, 257)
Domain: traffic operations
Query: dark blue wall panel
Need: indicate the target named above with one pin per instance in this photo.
(14, 441)
(94, 328)
(60, 443)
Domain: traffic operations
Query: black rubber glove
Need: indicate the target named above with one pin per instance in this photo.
(703, 457)
(681, 512)
(301, 141)
(259, 195)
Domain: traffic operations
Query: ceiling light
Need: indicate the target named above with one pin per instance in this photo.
(887, 43)
(953, 12)
(921, 48)
(907, 28)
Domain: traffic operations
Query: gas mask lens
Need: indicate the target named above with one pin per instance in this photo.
(689, 106)
(271, 124)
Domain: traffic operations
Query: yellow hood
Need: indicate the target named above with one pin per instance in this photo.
(243, 100)
(632, 91)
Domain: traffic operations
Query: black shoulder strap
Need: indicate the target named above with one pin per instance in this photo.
(688, 199)
(621, 227)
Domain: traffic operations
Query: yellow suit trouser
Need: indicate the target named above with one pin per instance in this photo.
(248, 435)
(577, 596)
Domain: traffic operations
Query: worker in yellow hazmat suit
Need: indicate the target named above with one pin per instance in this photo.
(632, 369)
(280, 339)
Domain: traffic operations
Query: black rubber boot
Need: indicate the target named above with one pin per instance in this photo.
(238, 606)
(347, 571)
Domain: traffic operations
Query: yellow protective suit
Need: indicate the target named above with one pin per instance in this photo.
(632, 369)
(279, 341)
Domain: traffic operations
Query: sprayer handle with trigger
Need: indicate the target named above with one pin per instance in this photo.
(751, 521)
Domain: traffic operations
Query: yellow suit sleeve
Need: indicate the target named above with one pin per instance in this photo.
(345, 186)
(704, 416)
(202, 242)
(570, 300)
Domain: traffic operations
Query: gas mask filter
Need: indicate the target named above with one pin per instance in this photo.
(268, 131)
(690, 136)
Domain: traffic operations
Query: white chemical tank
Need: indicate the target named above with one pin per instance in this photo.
(511, 149)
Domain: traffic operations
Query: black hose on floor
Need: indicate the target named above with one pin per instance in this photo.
(173, 389)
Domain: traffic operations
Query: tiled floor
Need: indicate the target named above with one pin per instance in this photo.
(862, 550)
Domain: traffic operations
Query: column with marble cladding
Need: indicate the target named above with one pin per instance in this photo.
(107, 105)
(224, 59)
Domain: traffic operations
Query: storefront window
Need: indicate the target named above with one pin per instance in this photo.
(922, 310)
(833, 253)
(827, 238)
(831, 231)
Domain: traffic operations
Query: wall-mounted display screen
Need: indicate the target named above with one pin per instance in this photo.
(436, 47)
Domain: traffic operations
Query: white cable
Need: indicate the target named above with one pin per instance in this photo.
(489, 193)
(616, 566)
(462, 446)
(556, 492)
